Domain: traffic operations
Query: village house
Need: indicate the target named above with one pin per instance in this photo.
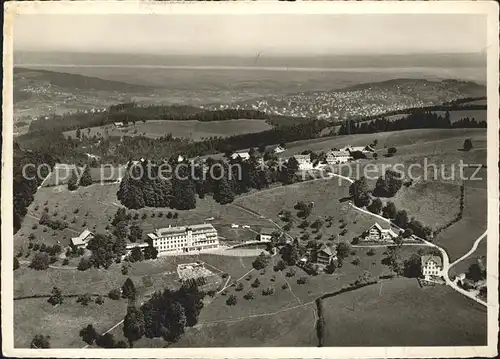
(119, 124)
(243, 155)
(82, 240)
(326, 255)
(304, 162)
(378, 234)
(336, 157)
(363, 149)
(276, 149)
(184, 239)
(432, 266)
(265, 235)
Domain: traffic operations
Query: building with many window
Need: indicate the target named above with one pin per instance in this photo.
(378, 234)
(335, 157)
(184, 239)
(432, 266)
(304, 162)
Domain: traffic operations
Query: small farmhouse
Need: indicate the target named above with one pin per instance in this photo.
(326, 255)
(119, 124)
(304, 162)
(244, 155)
(432, 266)
(265, 235)
(336, 157)
(82, 240)
(378, 234)
(276, 149)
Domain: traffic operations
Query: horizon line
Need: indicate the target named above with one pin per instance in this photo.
(222, 67)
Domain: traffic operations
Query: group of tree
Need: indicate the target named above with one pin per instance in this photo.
(388, 184)
(261, 261)
(26, 179)
(52, 223)
(75, 180)
(148, 184)
(417, 119)
(165, 315)
(90, 336)
(359, 192)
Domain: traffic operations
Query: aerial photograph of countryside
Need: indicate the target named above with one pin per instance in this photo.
(186, 181)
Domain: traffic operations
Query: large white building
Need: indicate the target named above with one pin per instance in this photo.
(184, 239)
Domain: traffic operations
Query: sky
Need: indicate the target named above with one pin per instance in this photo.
(248, 35)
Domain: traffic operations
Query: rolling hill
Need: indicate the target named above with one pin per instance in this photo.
(41, 92)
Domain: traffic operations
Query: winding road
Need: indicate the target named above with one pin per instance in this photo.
(446, 258)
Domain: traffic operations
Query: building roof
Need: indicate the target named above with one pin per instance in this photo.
(302, 157)
(81, 238)
(339, 153)
(168, 231)
(267, 231)
(327, 250)
(133, 245)
(426, 259)
(241, 154)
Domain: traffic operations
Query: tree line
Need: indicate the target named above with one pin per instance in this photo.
(144, 184)
(25, 184)
(418, 119)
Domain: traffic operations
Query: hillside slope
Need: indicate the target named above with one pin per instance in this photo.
(40, 92)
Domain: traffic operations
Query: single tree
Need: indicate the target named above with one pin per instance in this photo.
(40, 261)
(467, 145)
(232, 300)
(128, 289)
(56, 297)
(136, 255)
(86, 179)
(73, 182)
(40, 341)
(89, 334)
(133, 325)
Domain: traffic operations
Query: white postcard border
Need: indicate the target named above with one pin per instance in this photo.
(489, 8)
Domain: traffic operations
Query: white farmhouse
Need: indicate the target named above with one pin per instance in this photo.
(304, 162)
(265, 235)
(82, 240)
(378, 234)
(432, 266)
(336, 157)
(244, 155)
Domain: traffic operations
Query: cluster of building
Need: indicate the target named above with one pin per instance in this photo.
(334, 156)
(323, 256)
(169, 240)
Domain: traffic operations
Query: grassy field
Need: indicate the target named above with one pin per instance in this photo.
(326, 195)
(194, 130)
(400, 313)
(64, 322)
(290, 328)
(463, 266)
(458, 239)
